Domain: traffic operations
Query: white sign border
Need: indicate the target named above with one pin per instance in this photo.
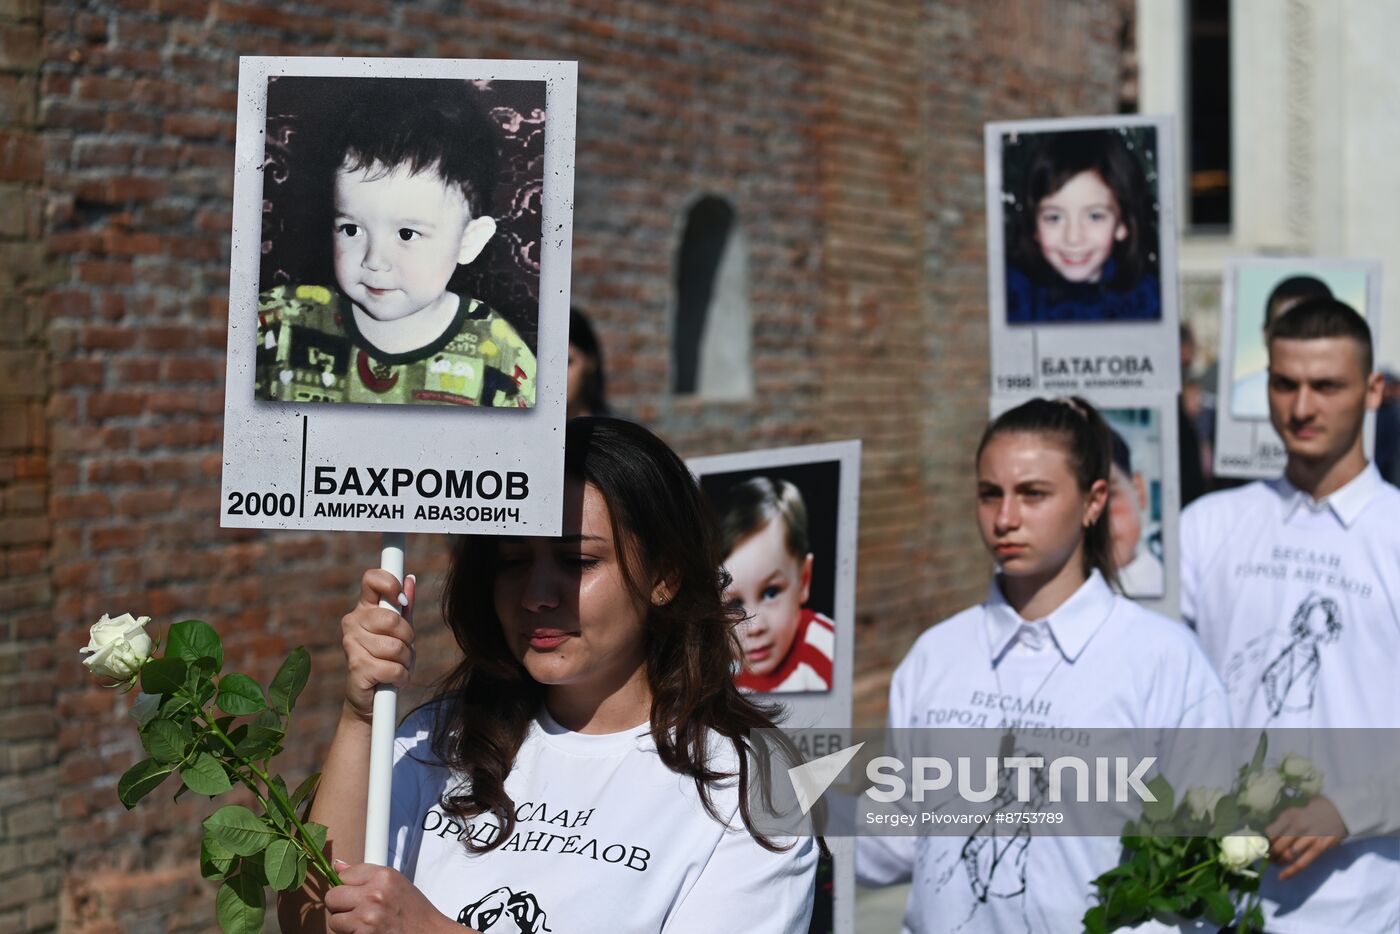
(832, 708)
(1241, 446)
(1016, 352)
(264, 441)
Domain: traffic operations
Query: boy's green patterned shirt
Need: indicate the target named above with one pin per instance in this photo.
(309, 350)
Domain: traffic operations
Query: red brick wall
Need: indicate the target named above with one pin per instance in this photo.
(30, 872)
(846, 134)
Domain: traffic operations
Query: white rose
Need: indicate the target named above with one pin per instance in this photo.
(1300, 772)
(118, 647)
(1201, 802)
(1261, 791)
(1240, 850)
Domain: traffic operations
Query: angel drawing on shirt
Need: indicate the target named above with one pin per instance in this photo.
(994, 859)
(1291, 678)
(504, 912)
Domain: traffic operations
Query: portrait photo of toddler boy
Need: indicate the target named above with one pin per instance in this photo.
(400, 241)
(777, 530)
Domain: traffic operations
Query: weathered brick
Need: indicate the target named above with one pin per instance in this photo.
(856, 171)
(21, 157)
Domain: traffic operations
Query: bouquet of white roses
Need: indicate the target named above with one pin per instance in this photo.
(217, 730)
(1201, 857)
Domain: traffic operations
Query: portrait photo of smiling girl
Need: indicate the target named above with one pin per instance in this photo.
(1081, 233)
(401, 232)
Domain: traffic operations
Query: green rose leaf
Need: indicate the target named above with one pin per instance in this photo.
(1227, 817)
(1096, 920)
(141, 779)
(215, 859)
(300, 878)
(202, 685)
(1219, 908)
(144, 710)
(315, 836)
(305, 789)
(289, 680)
(1260, 751)
(167, 740)
(239, 829)
(264, 736)
(193, 640)
(1165, 805)
(205, 776)
(162, 675)
(240, 695)
(240, 905)
(280, 864)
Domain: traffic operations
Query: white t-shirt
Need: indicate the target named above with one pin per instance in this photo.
(607, 839)
(1098, 661)
(1298, 605)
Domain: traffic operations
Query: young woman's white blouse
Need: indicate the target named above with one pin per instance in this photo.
(1098, 661)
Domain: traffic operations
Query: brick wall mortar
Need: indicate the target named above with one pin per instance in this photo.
(31, 868)
(847, 135)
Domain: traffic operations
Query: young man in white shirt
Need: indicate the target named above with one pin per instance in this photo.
(1292, 587)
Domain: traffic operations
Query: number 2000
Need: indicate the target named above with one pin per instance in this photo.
(265, 504)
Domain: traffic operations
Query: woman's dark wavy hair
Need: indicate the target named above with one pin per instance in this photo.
(1086, 439)
(1057, 158)
(664, 530)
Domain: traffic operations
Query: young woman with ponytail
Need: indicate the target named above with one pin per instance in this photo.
(1053, 648)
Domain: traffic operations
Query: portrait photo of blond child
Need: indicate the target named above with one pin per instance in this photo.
(777, 533)
(400, 236)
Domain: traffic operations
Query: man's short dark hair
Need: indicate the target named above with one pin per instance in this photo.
(1319, 318)
(426, 124)
(1294, 289)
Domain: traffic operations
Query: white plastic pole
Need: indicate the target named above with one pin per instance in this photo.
(381, 746)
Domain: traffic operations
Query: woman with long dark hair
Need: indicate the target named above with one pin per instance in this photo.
(584, 767)
(1052, 650)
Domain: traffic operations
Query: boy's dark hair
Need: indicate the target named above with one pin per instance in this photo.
(1081, 432)
(1294, 289)
(754, 503)
(1056, 159)
(1318, 318)
(427, 124)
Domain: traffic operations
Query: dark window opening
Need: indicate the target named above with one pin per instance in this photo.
(1208, 123)
(708, 227)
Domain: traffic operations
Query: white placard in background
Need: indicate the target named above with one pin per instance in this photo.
(828, 477)
(1079, 301)
(1246, 444)
(413, 466)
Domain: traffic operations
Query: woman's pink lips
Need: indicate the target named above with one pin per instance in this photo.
(1009, 549)
(759, 654)
(547, 638)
